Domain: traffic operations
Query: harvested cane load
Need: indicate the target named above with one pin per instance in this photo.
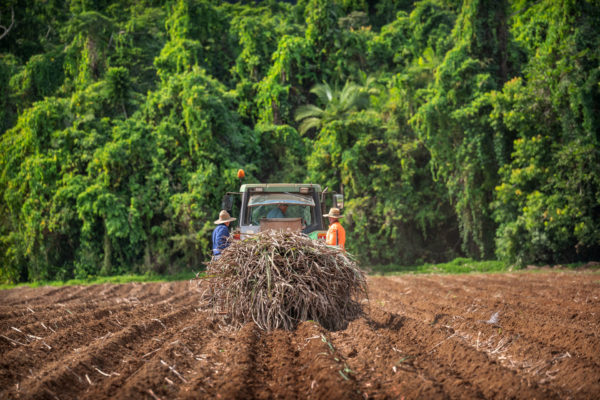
(278, 279)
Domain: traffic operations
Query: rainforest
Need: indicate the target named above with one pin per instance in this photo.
(454, 128)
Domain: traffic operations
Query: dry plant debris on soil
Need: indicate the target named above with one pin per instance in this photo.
(278, 279)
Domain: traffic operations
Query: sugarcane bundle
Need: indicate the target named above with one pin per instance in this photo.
(278, 279)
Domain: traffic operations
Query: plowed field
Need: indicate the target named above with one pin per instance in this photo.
(518, 335)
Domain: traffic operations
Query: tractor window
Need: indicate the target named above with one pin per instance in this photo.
(279, 198)
(298, 206)
(293, 211)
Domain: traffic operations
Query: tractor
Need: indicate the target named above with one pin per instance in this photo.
(304, 205)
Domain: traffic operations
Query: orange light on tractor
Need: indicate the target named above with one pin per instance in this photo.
(241, 174)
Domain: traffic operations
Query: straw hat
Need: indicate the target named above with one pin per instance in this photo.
(224, 217)
(334, 213)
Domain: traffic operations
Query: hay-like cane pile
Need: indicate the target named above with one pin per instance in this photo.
(278, 279)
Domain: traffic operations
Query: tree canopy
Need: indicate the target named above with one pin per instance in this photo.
(453, 128)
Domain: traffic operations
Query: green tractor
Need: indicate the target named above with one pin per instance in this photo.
(282, 207)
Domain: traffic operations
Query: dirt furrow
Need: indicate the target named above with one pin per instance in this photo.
(386, 366)
(12, 315)
(65, 335)
(220, 346)
(236, 364)
(276, 372)
(549, 354)
(35, 345)
(525, 292)
(541, 353)
(550, 333)
(163, 365)
(473, 313)
(325, 371)
(31, 296)
(81, 369)
(468, 363)
(567, 297)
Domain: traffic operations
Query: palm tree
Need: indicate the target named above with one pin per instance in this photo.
(336, 105)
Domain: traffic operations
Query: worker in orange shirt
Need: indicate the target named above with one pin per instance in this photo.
(336, 235)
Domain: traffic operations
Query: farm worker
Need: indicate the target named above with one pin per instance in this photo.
(221, 233)
(336, 234)
(278, 212)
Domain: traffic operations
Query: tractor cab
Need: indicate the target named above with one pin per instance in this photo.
(282, 207)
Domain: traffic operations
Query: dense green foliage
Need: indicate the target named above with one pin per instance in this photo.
(453, 128)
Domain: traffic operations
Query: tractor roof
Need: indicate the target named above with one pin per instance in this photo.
(279, 187)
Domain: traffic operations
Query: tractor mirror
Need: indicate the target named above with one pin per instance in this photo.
(338, 201)
(227, 203)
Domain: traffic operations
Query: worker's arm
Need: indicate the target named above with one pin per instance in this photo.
(332, 236)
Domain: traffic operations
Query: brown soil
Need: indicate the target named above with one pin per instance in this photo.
(422, 337)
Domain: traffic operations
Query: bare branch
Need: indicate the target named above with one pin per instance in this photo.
(12, 22)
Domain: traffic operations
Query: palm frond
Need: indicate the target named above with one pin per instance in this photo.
(350, 97)
(309, 123)
(323, 91)
(306, 111)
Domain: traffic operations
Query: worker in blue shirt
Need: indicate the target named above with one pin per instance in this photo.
(221, 233)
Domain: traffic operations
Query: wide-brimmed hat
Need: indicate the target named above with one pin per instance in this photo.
(224, 217)
(334, 213)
